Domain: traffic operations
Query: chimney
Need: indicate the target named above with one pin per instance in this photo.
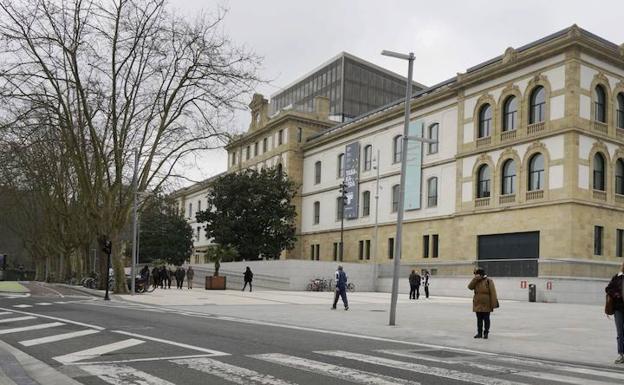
(321, 107)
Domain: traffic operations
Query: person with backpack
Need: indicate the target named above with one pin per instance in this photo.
(615, 307)
(484, 301)
(341, 288)
(247, 277)
(414, 281)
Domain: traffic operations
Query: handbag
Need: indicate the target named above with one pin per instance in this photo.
(496, 305)
(609, 305)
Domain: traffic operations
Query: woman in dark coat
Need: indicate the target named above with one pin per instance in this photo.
(248, 277)
(484, 301)
(615, 290)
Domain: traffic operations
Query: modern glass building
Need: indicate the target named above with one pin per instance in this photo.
(353, 86)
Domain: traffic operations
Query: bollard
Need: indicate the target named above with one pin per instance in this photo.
(532, 292)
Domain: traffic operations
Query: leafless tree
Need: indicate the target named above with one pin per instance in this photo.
(110, 77)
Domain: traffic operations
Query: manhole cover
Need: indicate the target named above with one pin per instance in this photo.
(440, 353)
(379, 310)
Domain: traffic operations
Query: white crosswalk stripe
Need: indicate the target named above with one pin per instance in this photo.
(505, 369)
(16, 319)
(418, 368)
(97, 351)
(32, 327)
(563, 368)
(231, 373)
(22, 306)
(58, 337)
(340, 372)
(123, 375)
(5, 312)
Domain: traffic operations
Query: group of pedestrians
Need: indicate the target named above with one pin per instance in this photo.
(163, 276)
(415, 281)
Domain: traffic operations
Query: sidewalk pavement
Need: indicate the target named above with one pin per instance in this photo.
(12, 287)
(561, 332)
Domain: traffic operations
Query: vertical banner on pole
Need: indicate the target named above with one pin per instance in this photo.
(352, 179)
(413, 170)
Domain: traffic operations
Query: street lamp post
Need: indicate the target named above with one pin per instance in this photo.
(343, 198)
(375, 257)
(135, 184)
(399, 228)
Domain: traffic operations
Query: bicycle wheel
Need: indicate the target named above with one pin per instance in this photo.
(350, 287)
(150, 288)
(309, 287)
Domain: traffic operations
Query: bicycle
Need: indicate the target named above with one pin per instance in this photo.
(350, 286)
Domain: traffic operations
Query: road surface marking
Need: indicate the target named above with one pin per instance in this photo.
(147, 359)
(418, 368)
(340, 372)
(516, 371)
(47, 287)
(97, 351)
(22, 306)
(5, 312)
(56, 319)
(43, 303)
(123, 375)
(33, 327)
(58, 337)
(7, 320)
(565, 368)
(204, 350)
(231, 373)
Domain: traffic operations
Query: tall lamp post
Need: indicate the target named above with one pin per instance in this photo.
(399, 228)
(135, 183)
(343, 198)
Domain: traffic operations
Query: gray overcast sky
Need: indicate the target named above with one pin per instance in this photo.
(446, 36)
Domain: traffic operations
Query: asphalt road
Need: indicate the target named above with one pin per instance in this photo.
(97, 342)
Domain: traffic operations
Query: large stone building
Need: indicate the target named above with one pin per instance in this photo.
(527, 177)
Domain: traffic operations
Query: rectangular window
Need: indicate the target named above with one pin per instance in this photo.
(317, 212)
(367, 251)
(317, 172)
(340, 165)
(280, 137)
(425, 246)
(299, 134)
(434, 246)
(366, 203)
(395, 198)
(190, 212)
(598, 232)
(619, 246)
(339, 208)
(248, 153)
(198, 233)
(361, 250)
(317, 249)
(256, 149)
(335, 251)
(199, 206)
(390, 248)
(233, 158)
(265, 145)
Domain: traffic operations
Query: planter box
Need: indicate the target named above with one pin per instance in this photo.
(215, 283)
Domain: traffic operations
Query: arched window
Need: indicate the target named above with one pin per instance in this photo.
(536, 172)
(395, 198)
(600, 104)
(510, 113)
(433, 135)
(537, 111)
(340, 165)
(599, 172)
(397, 149)
(509, 177)
(485, 121)
(432, 192)
(483, 186)
(368, 157)
(619, 177)
(366, 203)
(620, 110)
(317, 212)
(317, 172)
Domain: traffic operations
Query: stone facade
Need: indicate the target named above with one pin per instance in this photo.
(553, 146)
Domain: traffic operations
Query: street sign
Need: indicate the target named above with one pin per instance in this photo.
(352, 180)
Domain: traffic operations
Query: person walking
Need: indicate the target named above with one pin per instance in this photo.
(414, 281)
(247, 277)
(484, 301)
(341, 288)
(615, 292)
(426, 278)
(155, 277)
(163, 277)
(180, 274)
(170, 277)
(190, 273)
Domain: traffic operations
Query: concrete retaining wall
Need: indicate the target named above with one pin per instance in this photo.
(296, 274)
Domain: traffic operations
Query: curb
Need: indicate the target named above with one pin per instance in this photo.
(91, 292)
(19, 368)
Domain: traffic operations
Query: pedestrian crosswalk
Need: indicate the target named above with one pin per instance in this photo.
(121, 357)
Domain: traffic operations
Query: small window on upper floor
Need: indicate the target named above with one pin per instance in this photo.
(397, 149)
(233, 158)
(368, 157)
(536, 172)
(432, 192)
(509, 177)
(247, 152)
(510, 113)
(341, 166)
(620, 110)
(317, 172)
(619, 177)
(317, 212)
(256, 151)
(432, 148)
(366, 203)
(265, 145)
(299, 134)
(395, 198)
(485, 121)
(600, 104)
(483, 181)
(537, 110)
(280, 137)
(599, 172)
